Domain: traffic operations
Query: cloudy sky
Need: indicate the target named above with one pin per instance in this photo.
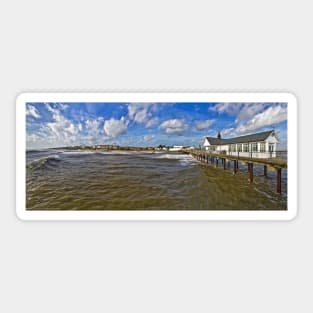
(148, 124)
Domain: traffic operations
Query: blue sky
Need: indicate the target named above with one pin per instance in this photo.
(148, 124)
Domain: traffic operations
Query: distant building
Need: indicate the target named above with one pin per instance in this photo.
(189, 148)
(176, 148)
(259, 145)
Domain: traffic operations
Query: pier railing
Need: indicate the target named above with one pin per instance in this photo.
(269, 155)
(275, 158)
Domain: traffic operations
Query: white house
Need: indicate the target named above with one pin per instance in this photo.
(259, 145)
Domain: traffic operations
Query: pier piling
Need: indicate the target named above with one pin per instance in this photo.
(268, 164)
(279, 180)
(251, 172)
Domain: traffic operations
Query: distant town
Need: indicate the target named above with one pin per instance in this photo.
(127, 148)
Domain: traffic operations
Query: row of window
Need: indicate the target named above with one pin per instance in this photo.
(253, 147)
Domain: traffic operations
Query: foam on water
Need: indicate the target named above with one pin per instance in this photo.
(184, 159)
(77, 152)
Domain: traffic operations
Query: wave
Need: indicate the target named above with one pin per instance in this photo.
(184, 159)
(44, 161)
(77, 152)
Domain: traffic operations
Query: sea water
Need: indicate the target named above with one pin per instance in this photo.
(92, 180)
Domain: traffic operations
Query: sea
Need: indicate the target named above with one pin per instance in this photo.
(94, 180)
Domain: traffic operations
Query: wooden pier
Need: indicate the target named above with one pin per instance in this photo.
(211, 158)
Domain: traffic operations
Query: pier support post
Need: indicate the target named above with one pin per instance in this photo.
(235, 167)
(251, 172)
(224, 162)
(279, 180)
(216, 162)
(265, 170)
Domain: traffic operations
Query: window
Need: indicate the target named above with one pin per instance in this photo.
(233, 148)
(245, 147)
(262, 147)
(239, 147)
(255, 147)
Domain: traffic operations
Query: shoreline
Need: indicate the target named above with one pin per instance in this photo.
(139, 150)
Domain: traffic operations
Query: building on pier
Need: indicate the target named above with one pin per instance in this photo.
(258, 145)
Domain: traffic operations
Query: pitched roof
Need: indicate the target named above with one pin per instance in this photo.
(242, 139)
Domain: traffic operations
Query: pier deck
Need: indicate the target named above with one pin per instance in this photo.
(277, 162)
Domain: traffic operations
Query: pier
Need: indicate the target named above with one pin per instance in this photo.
(277, 163)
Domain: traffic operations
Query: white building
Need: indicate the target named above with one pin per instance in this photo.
(176, 148)
(259, 145)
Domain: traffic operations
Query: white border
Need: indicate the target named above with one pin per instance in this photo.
(289, 214)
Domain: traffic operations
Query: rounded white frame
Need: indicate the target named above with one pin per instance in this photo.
(24, 214)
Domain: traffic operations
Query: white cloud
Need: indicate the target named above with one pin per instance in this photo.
(60, 130)
(249, 110)
(227, 131)
(174, 126)
(271, 116)
(201, 125)
(242, 110)
(148, 137)
(152, 122)
(142, 113)
(114, 127)
(93, 128)
(32, 111)
(251, 117)
(231, 108)
(33, 138)
(63, 106)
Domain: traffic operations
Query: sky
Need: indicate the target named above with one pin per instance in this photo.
(148, 124)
